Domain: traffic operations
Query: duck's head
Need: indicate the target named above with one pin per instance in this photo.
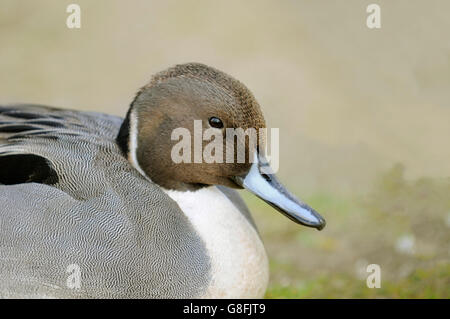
(201, 100)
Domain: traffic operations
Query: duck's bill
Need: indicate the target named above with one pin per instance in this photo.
(267, 187)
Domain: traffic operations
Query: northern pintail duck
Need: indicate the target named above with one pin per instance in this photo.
(99, 197)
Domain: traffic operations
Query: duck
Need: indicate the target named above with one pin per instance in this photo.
(93, 206)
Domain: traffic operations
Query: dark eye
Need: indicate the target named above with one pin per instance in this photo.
(215, 122)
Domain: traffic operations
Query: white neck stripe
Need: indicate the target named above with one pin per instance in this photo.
(133, 144)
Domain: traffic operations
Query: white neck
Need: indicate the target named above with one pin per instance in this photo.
(239, 264)
(133, 144)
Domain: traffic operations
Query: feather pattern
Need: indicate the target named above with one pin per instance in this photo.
(69, 196)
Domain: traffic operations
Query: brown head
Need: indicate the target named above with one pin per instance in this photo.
(202, 100)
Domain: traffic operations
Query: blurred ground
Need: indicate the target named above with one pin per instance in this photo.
(403, 226)
(350, 103)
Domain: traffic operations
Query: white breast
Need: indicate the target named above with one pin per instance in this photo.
(239, 264)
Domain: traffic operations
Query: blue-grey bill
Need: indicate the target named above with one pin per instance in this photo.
(268, 188)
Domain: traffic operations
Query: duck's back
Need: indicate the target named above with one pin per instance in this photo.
(70, 201)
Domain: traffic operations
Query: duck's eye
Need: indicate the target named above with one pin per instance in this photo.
(215, 122)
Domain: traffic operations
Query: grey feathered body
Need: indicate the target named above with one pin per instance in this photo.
(126, 235)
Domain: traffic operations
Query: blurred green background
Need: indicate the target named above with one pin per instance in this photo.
(364, 116)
